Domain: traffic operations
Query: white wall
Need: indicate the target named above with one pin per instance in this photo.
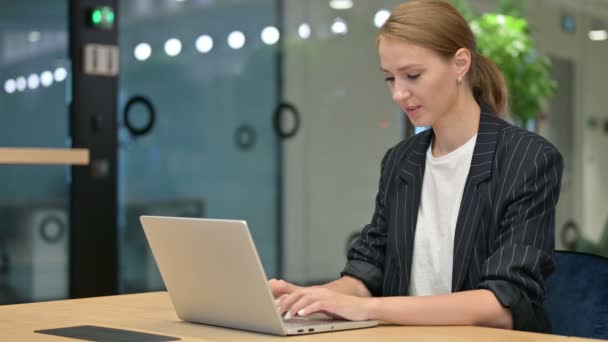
(585, 187)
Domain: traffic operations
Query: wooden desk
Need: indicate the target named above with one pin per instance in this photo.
(153, 313)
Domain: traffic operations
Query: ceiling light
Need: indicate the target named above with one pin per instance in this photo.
(304, 31)
(341, 4)
(60, 74)
(381, 17)
(142, 51)
(46, 78)
(204, 44)
(236, 40)
(21, 83)
(173, 47)
(33, 81)
(598, 35)
(339, 27)
(10, 86)
(270, 35)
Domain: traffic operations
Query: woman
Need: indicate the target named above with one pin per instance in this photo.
(463, 229)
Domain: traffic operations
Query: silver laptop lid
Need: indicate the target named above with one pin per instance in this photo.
(189, 252)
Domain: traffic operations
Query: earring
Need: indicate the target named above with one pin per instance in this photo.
(459, 80)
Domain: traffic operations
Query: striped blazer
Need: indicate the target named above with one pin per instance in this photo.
(505, 231)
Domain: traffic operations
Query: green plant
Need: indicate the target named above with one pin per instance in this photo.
(505, 39)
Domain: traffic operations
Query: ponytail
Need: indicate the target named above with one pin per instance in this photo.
(489, 85)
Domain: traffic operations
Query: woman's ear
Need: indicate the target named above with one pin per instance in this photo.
(462, 61)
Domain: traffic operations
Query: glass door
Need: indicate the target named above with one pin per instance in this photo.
(34, 201)
(198, 89)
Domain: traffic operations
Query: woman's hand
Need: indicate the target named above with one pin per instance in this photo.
(304, 301)
(280, 287)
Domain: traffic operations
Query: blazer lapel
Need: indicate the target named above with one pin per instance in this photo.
(474, 204)
(411, 171)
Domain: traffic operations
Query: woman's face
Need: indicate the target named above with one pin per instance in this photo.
(422, 83)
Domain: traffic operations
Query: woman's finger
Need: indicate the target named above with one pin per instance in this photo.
(280, 287)
(311, 308)
(288, 300)
(301, 303)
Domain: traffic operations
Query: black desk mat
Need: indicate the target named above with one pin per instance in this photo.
(96, 333)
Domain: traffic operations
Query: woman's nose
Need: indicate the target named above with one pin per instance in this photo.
(400, 94)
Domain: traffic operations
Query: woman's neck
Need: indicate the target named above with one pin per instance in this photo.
(456, 127)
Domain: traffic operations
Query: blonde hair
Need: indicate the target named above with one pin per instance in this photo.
(438, 26)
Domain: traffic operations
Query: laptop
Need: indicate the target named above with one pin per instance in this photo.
(214, 276)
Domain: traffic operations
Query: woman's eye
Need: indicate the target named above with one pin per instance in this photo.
(389, 79)
(413, 77)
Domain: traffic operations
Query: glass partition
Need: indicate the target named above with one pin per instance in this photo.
(34, 227)
(209, 71)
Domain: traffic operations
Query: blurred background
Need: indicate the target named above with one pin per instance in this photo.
(272, 111)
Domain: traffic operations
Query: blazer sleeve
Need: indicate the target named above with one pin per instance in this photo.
(522, 253)
(366, 257)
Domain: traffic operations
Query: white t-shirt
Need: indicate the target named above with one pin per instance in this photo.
(442, 189)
